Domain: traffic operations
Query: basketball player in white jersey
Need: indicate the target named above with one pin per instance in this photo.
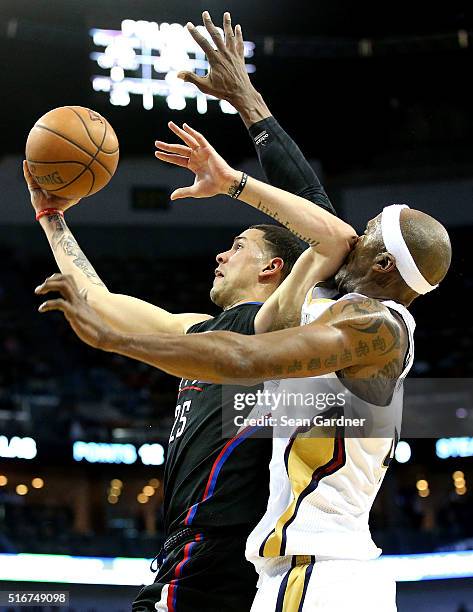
(312, 548)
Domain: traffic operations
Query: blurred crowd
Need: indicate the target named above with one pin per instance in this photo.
(49, 529)
(52, 384)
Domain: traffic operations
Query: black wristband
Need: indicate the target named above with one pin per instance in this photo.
(235, 192)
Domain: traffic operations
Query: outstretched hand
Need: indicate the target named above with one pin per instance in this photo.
(83, 319)
(40, 198)
(212, 173)
(227, 78)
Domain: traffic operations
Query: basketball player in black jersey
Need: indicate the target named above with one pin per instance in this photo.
(216, 489)
(364, 338)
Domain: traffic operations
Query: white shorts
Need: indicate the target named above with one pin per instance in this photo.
(294, 584)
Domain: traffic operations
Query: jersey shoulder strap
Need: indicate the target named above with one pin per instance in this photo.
(240, 319)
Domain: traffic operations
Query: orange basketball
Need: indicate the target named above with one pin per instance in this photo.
(72, 152)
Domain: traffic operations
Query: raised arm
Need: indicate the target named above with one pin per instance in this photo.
(214, 176)
(124, 313)
(330, 238)
(281, 159)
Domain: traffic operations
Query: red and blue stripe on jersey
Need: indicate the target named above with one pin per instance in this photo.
(217, 467)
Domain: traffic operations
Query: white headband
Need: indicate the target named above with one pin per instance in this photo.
(396, 245)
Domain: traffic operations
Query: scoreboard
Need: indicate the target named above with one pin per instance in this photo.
(143, 59)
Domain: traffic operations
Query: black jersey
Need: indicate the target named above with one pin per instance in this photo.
(211, 481)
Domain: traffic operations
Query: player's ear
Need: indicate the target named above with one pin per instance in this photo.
(384, 263)
(274, 266)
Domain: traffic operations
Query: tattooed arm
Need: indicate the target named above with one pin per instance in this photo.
(327, 234)
(124, 313)
(323, 231)
(330, 241)
(357, 337)
(330, 238)
(68, 254)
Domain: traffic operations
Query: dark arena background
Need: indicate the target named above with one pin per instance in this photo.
(379, 98)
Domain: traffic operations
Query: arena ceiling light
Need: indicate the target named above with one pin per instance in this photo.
(143, 59)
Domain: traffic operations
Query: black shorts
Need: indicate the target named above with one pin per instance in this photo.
(202, 574)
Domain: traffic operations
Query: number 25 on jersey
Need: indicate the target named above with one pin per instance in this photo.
(180, 420)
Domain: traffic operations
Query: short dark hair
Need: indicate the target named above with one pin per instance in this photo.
(282, 243)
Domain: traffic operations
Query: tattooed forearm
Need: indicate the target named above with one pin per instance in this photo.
(376, 349)
(263, 208)
(375, 387)
(314, 366)
(63, 239)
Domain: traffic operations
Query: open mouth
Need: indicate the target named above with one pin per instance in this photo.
(218, 274)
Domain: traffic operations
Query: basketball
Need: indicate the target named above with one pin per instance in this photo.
(72, 152)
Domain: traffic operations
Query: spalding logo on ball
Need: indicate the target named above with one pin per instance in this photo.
(72, 152)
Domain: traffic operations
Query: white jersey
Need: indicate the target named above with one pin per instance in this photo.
(322, 488)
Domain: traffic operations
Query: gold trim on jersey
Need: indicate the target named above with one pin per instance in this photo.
(294, 590)
(306, 456)
(310, 299)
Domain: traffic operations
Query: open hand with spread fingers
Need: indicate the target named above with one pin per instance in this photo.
(227, 78)
(212, 173)
(83, 319)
